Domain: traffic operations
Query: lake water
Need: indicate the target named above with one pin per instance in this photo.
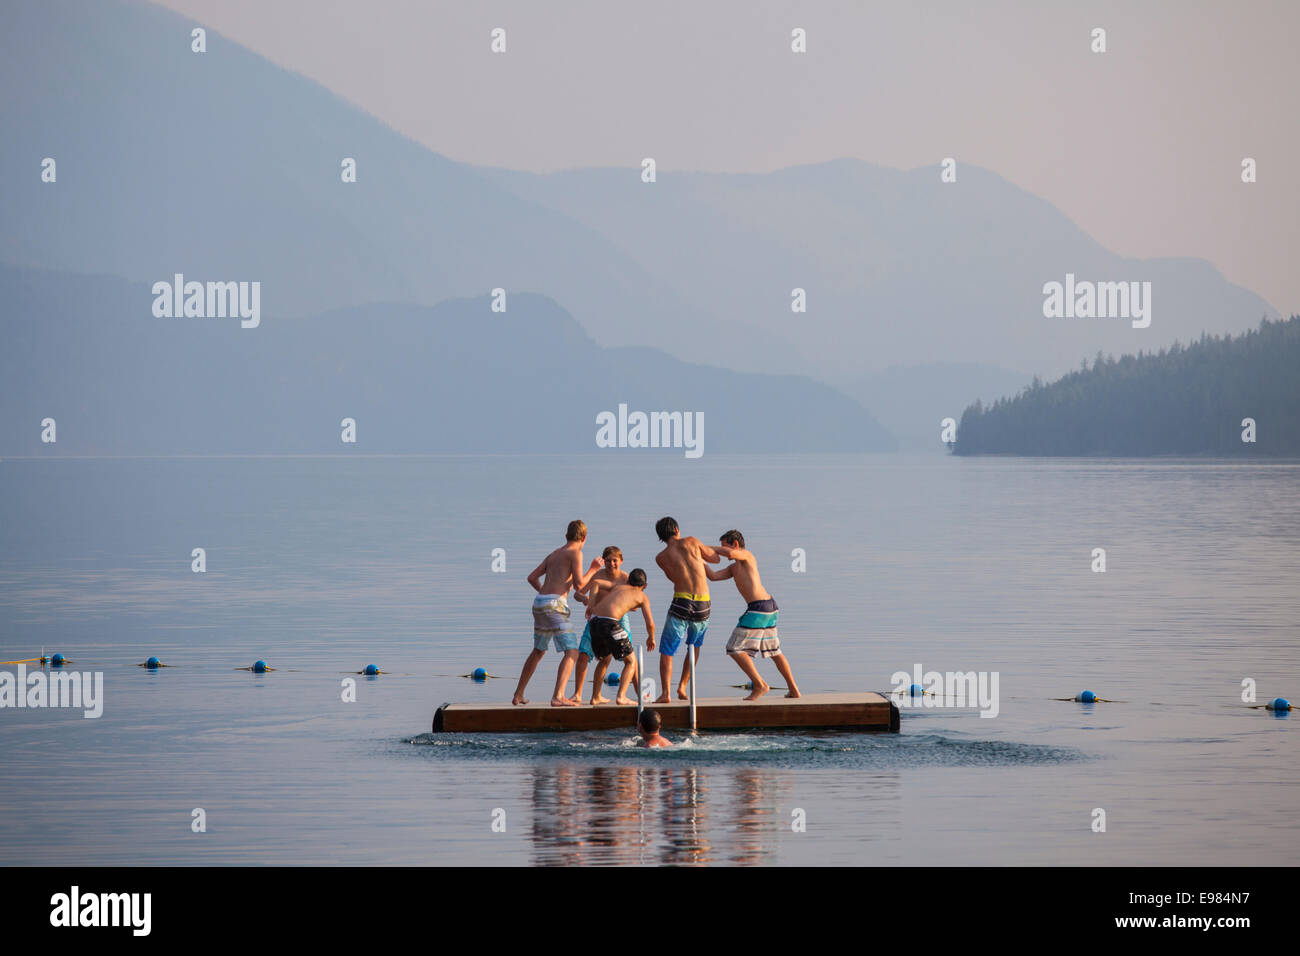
(323, 565)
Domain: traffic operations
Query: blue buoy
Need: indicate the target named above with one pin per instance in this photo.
(259, 667)
(916, 690)
(152, 663)
(612, 679)
(479, 674)
(1279, 703)
(371, 670)
(57, 660)
(1087, 697)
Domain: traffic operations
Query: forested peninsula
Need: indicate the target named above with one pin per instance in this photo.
(1220, 396)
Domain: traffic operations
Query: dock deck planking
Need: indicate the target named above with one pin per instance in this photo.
(844, 711)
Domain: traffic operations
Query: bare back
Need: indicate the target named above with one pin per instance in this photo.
(560, 570)
(682, 560)
(618, 600)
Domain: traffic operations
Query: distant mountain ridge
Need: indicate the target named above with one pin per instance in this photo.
(224, 166)
(898, 267)
(89, 353)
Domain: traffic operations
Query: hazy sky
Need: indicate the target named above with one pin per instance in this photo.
(1142, 145)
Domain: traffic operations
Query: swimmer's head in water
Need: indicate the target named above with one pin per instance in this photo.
(650, 722)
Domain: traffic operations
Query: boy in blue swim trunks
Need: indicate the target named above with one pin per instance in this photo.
(682, 561)
(755, 634)
(560, 571)
(604, 579)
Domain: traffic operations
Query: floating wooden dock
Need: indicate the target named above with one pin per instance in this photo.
(864, 711)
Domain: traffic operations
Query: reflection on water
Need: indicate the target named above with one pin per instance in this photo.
(587, 815)
(682, 816)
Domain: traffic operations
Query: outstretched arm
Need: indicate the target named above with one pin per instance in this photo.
(709, 553)
(736, 554)
(580, 581)
(595, 587)
(587, 592)
(720, 575)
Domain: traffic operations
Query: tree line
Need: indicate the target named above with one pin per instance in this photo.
(1184, 400)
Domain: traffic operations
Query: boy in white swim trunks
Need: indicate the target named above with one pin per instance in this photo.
(559, 572)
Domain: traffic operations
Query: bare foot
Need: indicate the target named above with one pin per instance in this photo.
(518, 700)
(794, 693)
(600, 699)
(562, 702)
(759, 691)
(576, 698)
(682, 695)
(664, 698)
(624, 700)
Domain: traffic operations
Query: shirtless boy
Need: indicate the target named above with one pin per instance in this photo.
(610, 637)
(560, 571)
(605, 578)
(682, 560)
(755, 633)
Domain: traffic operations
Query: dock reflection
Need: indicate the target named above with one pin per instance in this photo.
(675, 816)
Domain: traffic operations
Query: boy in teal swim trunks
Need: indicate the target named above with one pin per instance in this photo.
(756, 632)
(604, 579)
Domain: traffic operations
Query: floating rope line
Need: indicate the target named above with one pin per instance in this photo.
(1088, 697)
(258, 667)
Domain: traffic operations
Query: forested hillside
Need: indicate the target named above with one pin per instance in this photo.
(1186, 400)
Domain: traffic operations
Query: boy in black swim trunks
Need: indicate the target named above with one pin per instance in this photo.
(609, 637)
(608, 576)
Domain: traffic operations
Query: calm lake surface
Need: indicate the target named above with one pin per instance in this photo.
(323, 565)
